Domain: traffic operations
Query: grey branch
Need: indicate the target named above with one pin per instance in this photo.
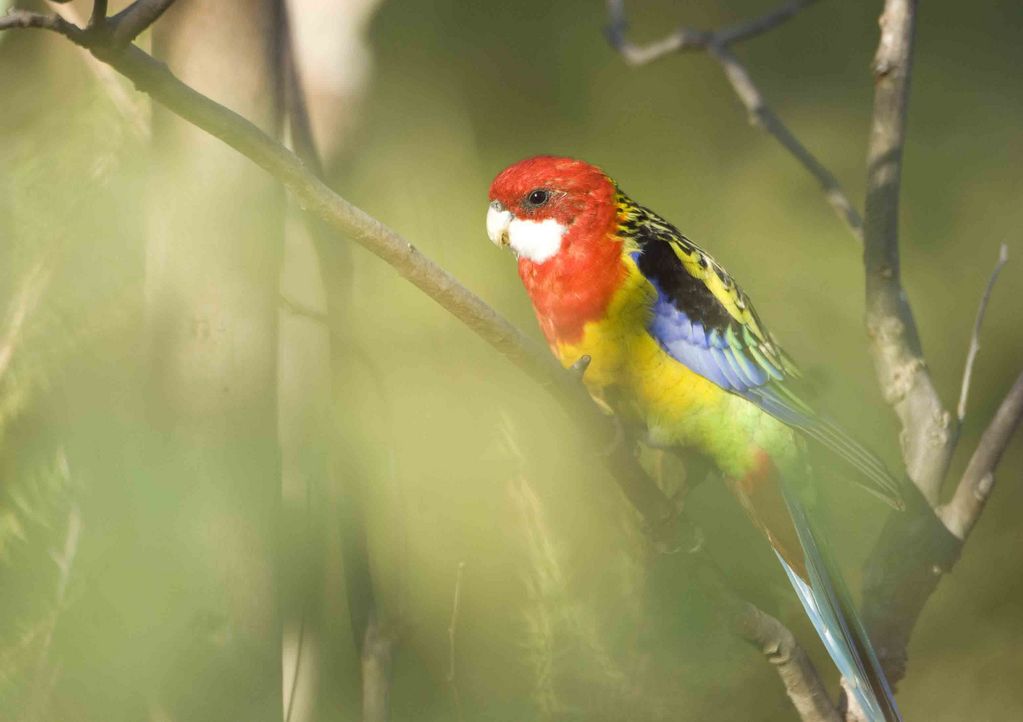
(312, 194)
(971, 355)
(928, 433)
(99, 14)
(760, 114)
(916, 548)
(778, 645)
(134, 19)
(28, 20)
(962, 512)
(802, 683)
(928, 438)
(717, 44)
(126, 103)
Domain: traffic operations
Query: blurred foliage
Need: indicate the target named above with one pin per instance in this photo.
(565, 614)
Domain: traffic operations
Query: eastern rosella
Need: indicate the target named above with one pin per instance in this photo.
(677, 348)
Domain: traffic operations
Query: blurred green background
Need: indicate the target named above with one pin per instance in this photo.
(564, 613)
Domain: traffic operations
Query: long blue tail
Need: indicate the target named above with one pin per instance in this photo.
(829, 605)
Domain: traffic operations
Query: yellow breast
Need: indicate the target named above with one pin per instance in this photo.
(631, 374)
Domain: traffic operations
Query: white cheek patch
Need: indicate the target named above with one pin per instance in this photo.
(537, 241)
(498, 220)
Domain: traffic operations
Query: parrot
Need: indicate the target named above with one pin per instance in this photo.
(677, 350)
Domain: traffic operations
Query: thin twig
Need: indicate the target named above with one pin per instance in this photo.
(759, 25)
(717, 44)
(136, 18)
(452, 629)
(962, 512)
(684, 39)
(773, 639)
(23, 19)
(971, 355)
(23, 304)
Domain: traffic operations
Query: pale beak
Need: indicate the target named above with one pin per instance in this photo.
(498, 220)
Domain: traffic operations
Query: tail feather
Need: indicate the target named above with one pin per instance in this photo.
(829, 605)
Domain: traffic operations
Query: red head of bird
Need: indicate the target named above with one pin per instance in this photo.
(559, 216)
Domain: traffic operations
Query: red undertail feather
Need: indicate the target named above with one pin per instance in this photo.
(761, 495)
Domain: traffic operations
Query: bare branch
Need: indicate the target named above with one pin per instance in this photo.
(717, 44)
(136, 18)
(23, 19)
(774, 640)
(118, 92)
(962, 512)
(684, 39)
(964, 391)
(802, 683)
(928, 433)
(915, 548)
(23, 304)
(99, 14)
(759, 25)
(762, 116)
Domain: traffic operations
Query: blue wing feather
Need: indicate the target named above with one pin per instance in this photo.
(732, 357)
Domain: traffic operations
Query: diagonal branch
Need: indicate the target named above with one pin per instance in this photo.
(762, 116)
(802, 683)
(120, 95)
(717, 44)
(773, 639)
(928, 432)
(312, 194)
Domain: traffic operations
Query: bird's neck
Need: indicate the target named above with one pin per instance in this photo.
(576, 285)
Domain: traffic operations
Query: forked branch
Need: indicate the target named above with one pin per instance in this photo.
(916, 547)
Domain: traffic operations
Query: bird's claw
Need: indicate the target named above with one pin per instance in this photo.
(578, 369)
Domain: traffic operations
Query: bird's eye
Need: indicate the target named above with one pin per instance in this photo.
(538, 197)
